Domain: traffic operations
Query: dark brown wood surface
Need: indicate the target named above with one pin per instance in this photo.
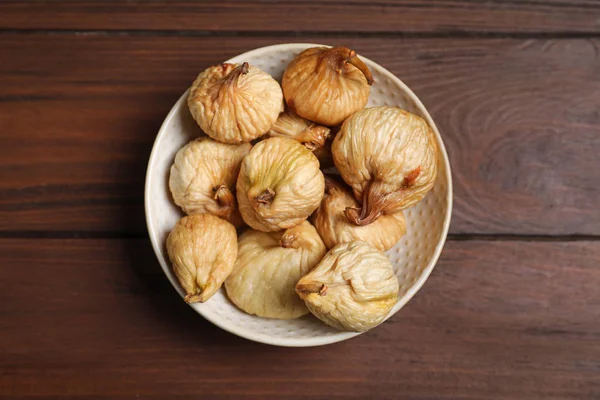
(512, 310)
(502, 320)
(519, 118)
(392, 16)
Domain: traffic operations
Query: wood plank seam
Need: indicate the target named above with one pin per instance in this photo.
(443, 34)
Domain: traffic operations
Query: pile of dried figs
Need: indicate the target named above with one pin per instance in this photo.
(262, 218)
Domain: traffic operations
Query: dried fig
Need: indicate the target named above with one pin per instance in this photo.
(293, 126)
(334, 227)
(267, 269)
(389, 158)
(353, 288)
(326, 85)
(203, 178)
(279, 184)
(202, 249)
(235, 103)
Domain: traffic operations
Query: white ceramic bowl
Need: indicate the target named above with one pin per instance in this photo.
(413, 257)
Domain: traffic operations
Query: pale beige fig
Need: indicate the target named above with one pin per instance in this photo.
(204, 175)
(389, 158)
(334, 227)
(293, 126)
(326, 85)
(353, 288)
(235, 103)
(279, 184)
(267, 268)
(202, 249)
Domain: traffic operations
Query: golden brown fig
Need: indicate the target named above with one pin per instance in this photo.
(326, 85)
(279, 184)
(389, 158)
(202, 249)
(203, 178)
(334, 227)
(235, 103)
(267, 269)
(293, 126)
(353, 288)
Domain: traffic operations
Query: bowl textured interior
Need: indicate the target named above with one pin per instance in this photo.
(413, 257)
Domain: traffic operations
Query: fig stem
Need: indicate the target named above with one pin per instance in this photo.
(234, 75)
(225, 200)
(296, 238)
(313, 137)
(287, 241)
(266, 197)
(353, 215)
(374, 205)
(354, 60)
(193, 298)
(366, 214)
(223, 195)
(308, 288)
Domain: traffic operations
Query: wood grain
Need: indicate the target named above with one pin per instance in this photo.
(415, 16)
(519, 118)
(496, 320)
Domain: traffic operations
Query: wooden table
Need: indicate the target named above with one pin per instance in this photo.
(512, 310)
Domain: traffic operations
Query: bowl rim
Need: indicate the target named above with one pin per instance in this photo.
(320, 340)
